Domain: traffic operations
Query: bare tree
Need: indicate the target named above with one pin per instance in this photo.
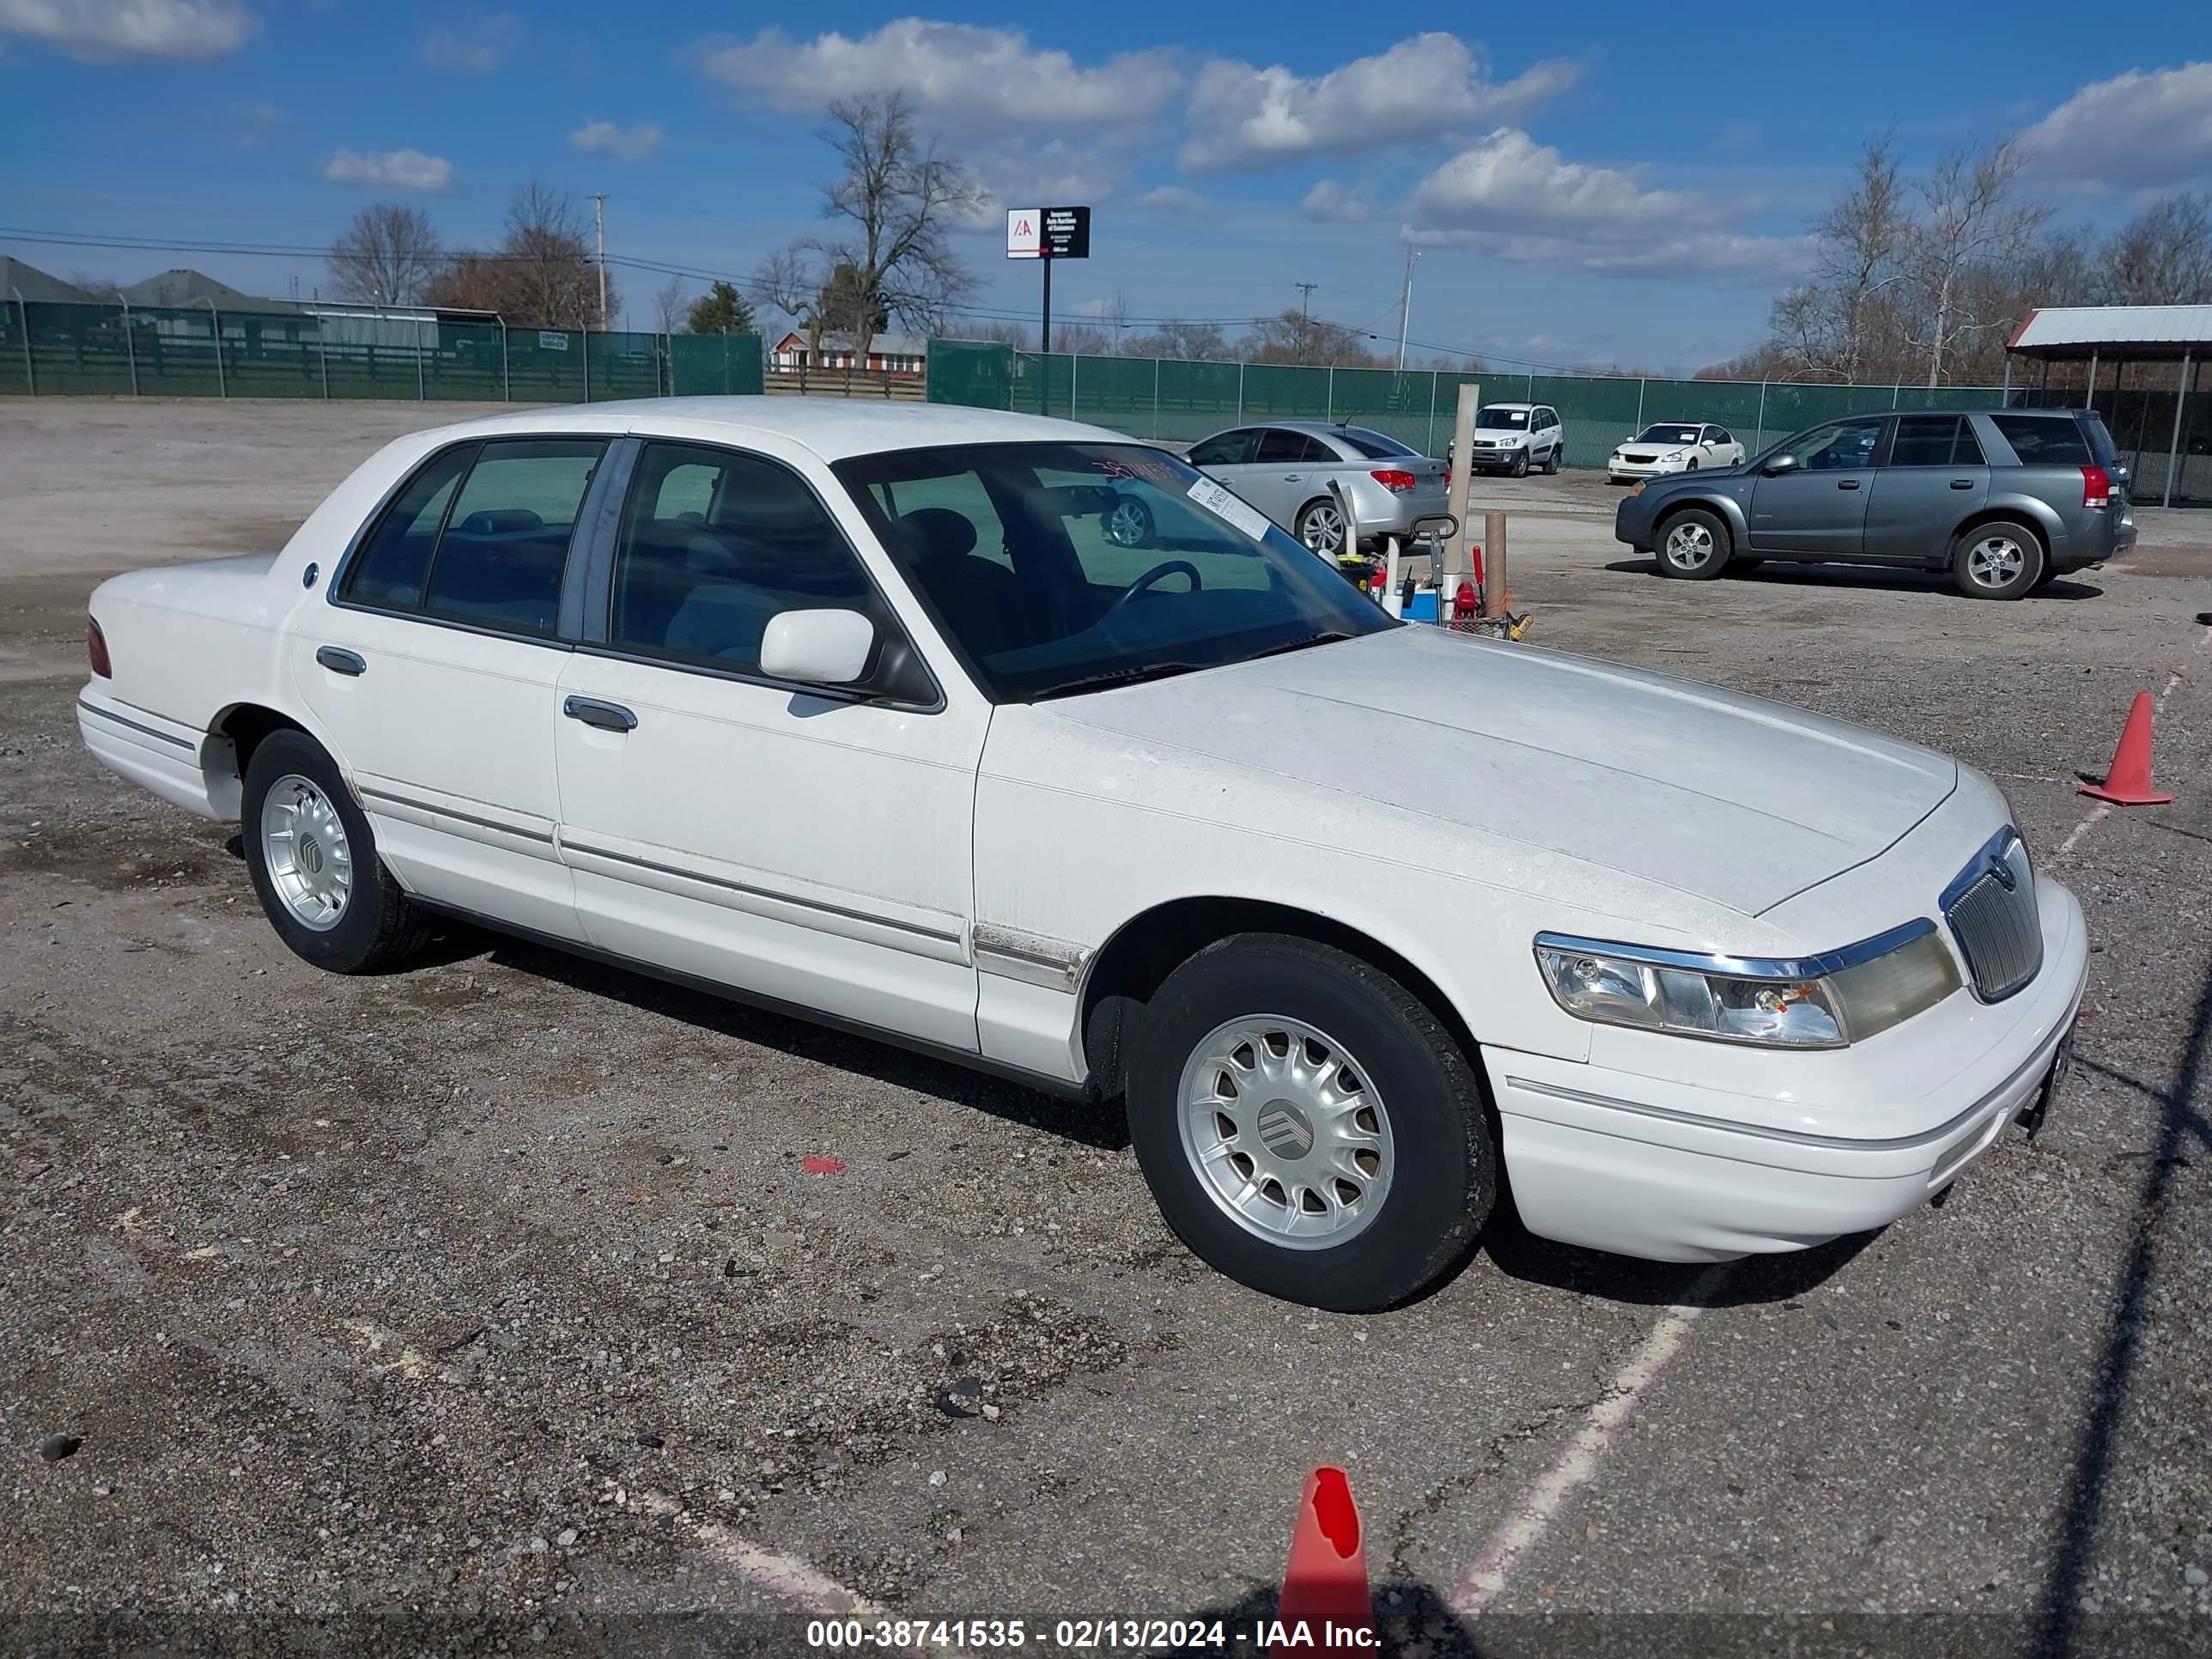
(889, 253)
(541, 276)
(1082, 340)
(1863, 236)
(670, 310)
(1116, 317)
(104, 289)
(385, 256)
(1970, 220)
(2163, 256)
(1294, 336)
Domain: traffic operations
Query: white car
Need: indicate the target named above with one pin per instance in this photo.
(1674, 446)
(1515, 438)
(859, 712)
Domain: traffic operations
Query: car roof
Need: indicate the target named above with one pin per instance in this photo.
(1517, 405)
(1319, 429)
(833, 428)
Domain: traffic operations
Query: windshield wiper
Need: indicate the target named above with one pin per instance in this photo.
(1329, 638)
(1150, 670)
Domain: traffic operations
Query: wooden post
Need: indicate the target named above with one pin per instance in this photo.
(1493, 564)
(1451, 557)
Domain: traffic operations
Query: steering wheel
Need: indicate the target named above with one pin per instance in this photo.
(1167, 568)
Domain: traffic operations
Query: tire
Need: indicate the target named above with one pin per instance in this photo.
(1313, 523)
(2002, 559)
(1433, 1174)
(1127, 523)
(1692, 466)
(1520, 463)
(1693, 546)
(295, 798)
(1552, 461)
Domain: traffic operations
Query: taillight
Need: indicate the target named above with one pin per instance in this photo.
(95, 647)
(2096, 487)
(1392, 479)
(1447, 477)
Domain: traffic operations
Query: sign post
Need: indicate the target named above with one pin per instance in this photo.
(1048, 234)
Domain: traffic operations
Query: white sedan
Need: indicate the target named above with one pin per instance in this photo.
(859, 712)
(1674, 446)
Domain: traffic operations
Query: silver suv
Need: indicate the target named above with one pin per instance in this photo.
(2005, 500)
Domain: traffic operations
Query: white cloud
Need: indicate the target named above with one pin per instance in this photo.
(479, 49)
(254, 123)
(396, 169)
(1181, 203)
(957, 75)
(1330, 203)
(624, 144)
(2137, 128)
(1516, 199)
(1244, 115)
(106, 29)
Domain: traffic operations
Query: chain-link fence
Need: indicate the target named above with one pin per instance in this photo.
(203, 351)
(1182, 402)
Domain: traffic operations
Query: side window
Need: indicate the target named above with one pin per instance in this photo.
(506, 542)
(1281, 448)
(703, 591)
(1224, 449)
(1924, 441)
(1714, 434)
(389, 568)
(1551, 417)
(1842, 447)
(2045, 440)
(1969, 452)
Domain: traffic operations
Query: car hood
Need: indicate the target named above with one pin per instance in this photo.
(1741, 802)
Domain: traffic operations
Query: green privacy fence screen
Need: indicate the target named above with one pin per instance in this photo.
(201, 352)
(1182, 402)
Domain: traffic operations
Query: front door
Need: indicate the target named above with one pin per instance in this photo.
(1286, 474)
(1934, 475)
(432, 670)
(1819, 507)
(806, 846)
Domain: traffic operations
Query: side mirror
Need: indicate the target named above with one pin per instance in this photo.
(817, 647)
(1775, 467)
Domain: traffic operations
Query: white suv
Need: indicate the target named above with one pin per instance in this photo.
(1514, 437)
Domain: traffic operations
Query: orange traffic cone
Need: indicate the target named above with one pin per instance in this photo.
(2128, 782)
(1326, 1582)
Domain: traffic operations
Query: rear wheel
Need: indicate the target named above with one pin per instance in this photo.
(313, 859)
(1308, 1126)
(1693, 546)
(1321, 527)
(1552, 461)
(2000, 560)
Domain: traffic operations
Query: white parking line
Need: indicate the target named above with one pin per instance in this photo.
(1577, 1462)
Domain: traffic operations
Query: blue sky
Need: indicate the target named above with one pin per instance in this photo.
(1587, 183)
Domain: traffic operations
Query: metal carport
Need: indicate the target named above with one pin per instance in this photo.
(2143, 336)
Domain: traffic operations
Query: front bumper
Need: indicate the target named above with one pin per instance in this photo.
(1672, 1172)
(1616, 468)
(1496, 460)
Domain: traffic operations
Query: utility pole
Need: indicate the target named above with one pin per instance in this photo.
(599, 214)
(1406, 304)
(1305, 317)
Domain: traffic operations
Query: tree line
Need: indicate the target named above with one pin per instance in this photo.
(1921, 280)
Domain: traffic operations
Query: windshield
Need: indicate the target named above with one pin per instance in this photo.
(1053, 567)
(1374, 445)
(1667, 435)
(1508, 419)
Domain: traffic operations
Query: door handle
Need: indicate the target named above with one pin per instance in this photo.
(1294, 477)
(1847, 483)
(339, 660)
(607, 716)
(1962, 483)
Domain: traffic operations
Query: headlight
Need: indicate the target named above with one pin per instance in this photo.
(1822, 1002)
(1676, 455)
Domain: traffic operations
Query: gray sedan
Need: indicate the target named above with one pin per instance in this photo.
(1285, 468)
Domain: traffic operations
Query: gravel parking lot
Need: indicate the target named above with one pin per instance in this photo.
(489, 1302)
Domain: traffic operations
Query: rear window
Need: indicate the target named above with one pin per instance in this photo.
(1374, 445)
(2046, 440)
(2100, 438)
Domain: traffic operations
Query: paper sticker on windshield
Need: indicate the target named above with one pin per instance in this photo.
(1223, 505)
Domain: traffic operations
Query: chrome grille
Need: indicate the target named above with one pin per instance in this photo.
(1990, 906)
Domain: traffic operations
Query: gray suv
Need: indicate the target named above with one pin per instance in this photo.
(2004, 500)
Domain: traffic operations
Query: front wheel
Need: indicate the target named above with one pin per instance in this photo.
(1693, 546)
(1308, 1126)
(1997, 561)
(313, 859)
(1520, 463)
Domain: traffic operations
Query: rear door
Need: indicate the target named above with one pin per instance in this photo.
(1934, 475)
(1818, 509)
(433, 669)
